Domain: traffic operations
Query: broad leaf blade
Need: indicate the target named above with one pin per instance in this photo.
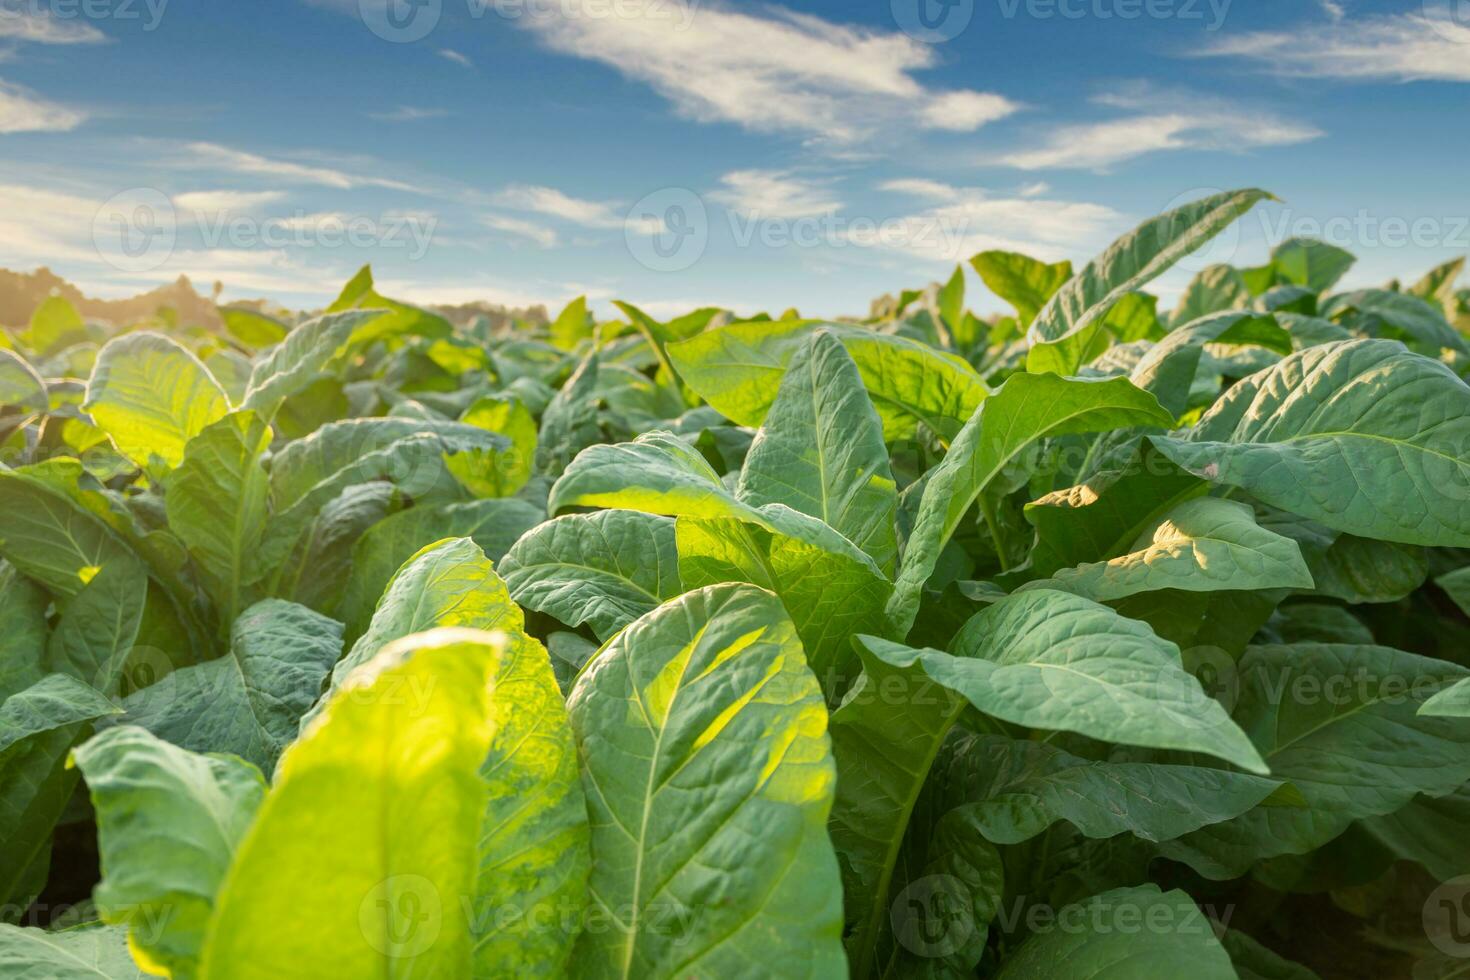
(820, 451)
(604, 569)
(708, 692)
(1027, 408)
(152, 396)
(1362, 436)
(168, 824)
(341, 837)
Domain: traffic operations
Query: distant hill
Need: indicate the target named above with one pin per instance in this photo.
(22, 292)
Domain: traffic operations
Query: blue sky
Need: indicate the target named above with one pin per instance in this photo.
(678, 153)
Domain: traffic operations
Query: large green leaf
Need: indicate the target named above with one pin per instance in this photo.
(1027, 408)
(533, 842)
(1101, 518)
(218, 502)
(1067, 325)
(1201, 545)
(1362, 436)
(1456, 585)
(250, 701)
(1311, 263)
(1341, 724)
(84, 953)
(20, 386)
(296, 362)
(23, 632)
(1026, 283)
(494, 525)
(1215, 289)
(1059, 662)
(1017, 789)
(99, 628)
(941, 920)
(531, 890)
(343, 453)
(738, 369)
(168, 824)
(1398, 316)
(37, 728)
(1453, 702)
(370, 834)
(252, 327)
(1170, 368)
(152, 396)
(830, 595)
(709, 780)
(54, 324)
(820, 451)
(508, 417)
(48, 535)
(604, 569)
(570, 422)
(1430, 830)
(885, 736)
(657, 473)
(1106, 936)
(447, 583)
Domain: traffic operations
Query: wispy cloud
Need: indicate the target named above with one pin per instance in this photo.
(520, 228)
(216, 201)
(966, 220)
(920, 187)
(1158, 122)
(459, 59)
(227, 159)
(1405, 47)
(552, 202)
(21, 21)
(23, 111)
(408, 113)
(786, 72)
(1333, 9)
(774, 194)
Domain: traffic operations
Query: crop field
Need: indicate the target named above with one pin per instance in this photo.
(1093, 640)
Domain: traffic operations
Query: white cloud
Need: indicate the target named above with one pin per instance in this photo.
(540, 234)
(972, 219)
(21, 21)
(1333, 9)
(408, 113)
(774, 194)
(786, 72)
(920, 187)
(241, 162)
(22, 111)
(1160, 122)
(1403, 47)
(964, 112)
(213, 202)
(40, 226)
(459, 59)
(552, 202)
